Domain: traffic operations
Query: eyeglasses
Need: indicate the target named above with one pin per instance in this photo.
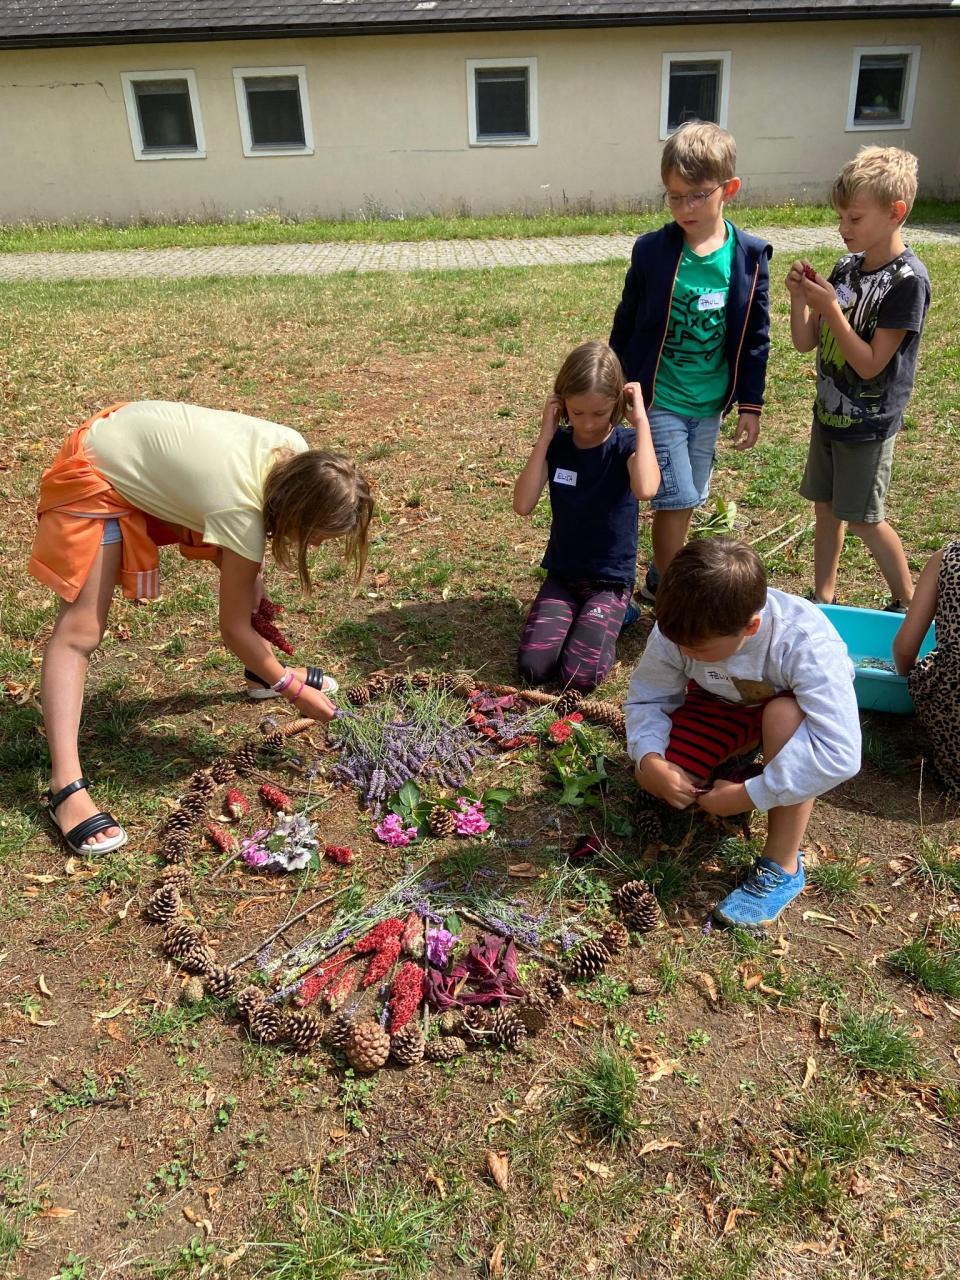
(695, 198)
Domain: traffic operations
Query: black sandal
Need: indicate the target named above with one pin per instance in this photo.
(97, 822)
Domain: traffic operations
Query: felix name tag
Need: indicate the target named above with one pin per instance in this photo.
(711, 301)
(564, 477)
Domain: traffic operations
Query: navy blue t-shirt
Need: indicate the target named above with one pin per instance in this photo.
(593, 534)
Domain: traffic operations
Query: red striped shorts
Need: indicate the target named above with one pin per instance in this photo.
(708, 730)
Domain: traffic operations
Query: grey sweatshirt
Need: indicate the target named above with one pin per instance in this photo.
(795, 650)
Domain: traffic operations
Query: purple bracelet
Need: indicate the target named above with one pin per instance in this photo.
(282, 683)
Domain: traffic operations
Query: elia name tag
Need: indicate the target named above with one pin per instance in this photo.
(711, 301)
(564, 477)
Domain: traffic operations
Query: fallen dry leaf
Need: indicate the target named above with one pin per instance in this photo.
(57, 1211)
(730, 1222)
(922, 1006)
(952, 1009)
(823, 1021)
(337, 1134)
(495, 1265)
(707, 984)
(810, 1072)
(434, 1180)
(858, 1185)
(632, 1234)
(498, 1167)
(232, 1258)
(36, 1021)
(818, 915)
(42, 986)
(601, 1170)
(656, 1145)
(524, 871)
(115, 1011)
(752, 981)
(40, 879)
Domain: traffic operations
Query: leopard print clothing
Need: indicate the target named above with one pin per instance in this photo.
(934, 683)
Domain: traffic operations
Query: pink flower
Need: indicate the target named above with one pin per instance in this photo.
(392, 831)
(560, 731)
(470, 820)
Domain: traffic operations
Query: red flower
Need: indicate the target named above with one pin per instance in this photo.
(405, 995)
(236, 804)
(263, 624)
(575, 717)
(338, 991)
(339, 854)
(380, 935)
(382, 962)
(275, 798)
(321, 978)
(560, 731)
(221, 839)
(269, 609)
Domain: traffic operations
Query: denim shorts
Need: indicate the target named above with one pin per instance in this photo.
(685, 449)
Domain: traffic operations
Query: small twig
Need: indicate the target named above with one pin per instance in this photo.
(286, 925)
(797, 533)
(770, 532)
(223, 865)
(426, 966)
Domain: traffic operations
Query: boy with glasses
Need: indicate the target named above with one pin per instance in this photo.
(693, 327)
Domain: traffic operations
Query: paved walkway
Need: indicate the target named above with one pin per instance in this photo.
(424, 255)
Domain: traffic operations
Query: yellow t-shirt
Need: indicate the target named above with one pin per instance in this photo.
(200, 468)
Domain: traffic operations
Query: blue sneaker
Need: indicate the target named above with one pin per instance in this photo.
(630, 617)
(767, 891)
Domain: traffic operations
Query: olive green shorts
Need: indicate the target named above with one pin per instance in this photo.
(853, 476)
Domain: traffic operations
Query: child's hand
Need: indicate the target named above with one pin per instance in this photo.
(795, 277)
(818, 293)
(636, 413)
(668, 782)
(725, 798)
(311, 702)
(748, 428)
(553, 411)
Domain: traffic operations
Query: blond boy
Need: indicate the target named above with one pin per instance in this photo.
(865, 321)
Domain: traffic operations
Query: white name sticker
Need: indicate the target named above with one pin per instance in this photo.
(844, 295)
(564, 477)
(711, 301)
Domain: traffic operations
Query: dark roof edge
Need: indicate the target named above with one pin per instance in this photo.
(417, 26)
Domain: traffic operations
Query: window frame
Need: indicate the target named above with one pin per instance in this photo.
(128, 79)
(723, 56)
(502, 140)
(912, 52)
(250, 150)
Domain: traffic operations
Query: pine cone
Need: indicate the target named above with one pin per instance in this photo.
(441, 822)
(398, 682)
(408, 1044)
(444, 1050)
(446, 683)
(223, 770)
(338, 1029)
(368, 1046)
(178, 876)
(178, 823)
(648, 827)
(358, 695)
(302, 1028)
(220, 981)
(185, 943)
(245, 757)
(615, 937)
(193, 804)
(475, 1024)
(637, 906)
(275, 739)
(175, 849)
(589, 959)
(265, 1023)
(377, 684)
(450, 1022)
(507, 1029)
(163, 904)
(552, 985)
(606, 713)
(203, 782)
(420, 679)
(568, 701)
(248, 1001)
(535, 1011)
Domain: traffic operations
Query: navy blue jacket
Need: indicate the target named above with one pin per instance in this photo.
(640, 321)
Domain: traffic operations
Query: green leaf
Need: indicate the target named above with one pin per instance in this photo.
(409, 796)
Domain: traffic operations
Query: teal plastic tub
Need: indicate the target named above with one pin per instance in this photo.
(868, 635)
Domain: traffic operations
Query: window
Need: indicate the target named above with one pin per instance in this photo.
(693, 86)
(163, 113)
(882, 87)
(502, 102)
(274, 111)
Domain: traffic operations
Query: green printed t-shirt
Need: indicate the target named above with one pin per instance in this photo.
(692, 376)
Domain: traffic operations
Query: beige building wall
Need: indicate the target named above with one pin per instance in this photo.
(389, 120)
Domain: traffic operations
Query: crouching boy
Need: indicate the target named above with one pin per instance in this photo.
(732, 666)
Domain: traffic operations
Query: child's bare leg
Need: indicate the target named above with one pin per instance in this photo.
(883, 543)
(76, 634)
(669, 533)
(827, 545)
(785, 826)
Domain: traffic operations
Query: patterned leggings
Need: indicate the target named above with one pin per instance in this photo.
(571, 632)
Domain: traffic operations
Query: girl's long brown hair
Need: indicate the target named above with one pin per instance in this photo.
(593, 366)
(311, 497)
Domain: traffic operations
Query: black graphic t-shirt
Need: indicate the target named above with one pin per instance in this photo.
(895, 296)
(593, 535)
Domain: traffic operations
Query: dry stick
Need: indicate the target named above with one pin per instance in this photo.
(223, 865)
(797, 533)
(484, 924)
(770, 532)
(286, 925)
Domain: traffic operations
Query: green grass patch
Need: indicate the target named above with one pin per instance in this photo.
(837, 879)
(875, 1042)
(936, 969)
(601, 1095)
